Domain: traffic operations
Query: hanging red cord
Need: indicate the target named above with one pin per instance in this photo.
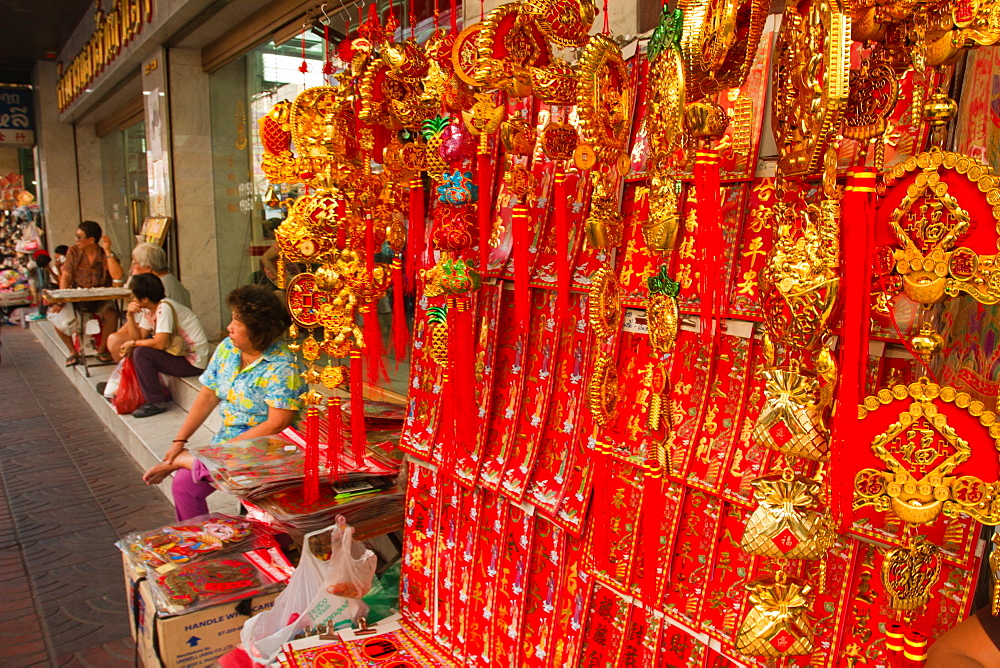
(304, 67)
(454, 16)
(327, 65)
(413, 22)
(482, 10)
(607, 28)
(437, 16)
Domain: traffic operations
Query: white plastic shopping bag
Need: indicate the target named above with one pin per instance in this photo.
(306, 602)
(65, 320)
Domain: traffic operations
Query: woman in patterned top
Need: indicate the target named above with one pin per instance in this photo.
(255, 382)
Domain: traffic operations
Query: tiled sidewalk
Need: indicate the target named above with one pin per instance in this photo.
(67, 492)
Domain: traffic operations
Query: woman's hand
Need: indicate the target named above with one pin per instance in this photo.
(156, 474)
(126, 348)
(176, 448)
(133, 308)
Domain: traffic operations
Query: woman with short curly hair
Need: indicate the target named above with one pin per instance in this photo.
(254, 380)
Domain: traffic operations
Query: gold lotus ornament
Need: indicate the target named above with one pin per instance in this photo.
(776, 623)
(660, 229)
(791, 420)
(788, 522)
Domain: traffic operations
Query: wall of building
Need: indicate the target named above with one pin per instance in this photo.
(194, 210)
(57, 170)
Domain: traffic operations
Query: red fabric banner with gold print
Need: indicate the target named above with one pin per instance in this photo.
(679, 648)
(557, 452)
(488, 301)
(485, 567)
(539, 622)
(571, 604)
(543, 349)
(690, 565)
(607, 619)
(511, 586)
(467, 534)
(614, 527)
(508, 383)
(692, 354)
(720, 615)
(720, 423)
(417, 583)
(424, 402)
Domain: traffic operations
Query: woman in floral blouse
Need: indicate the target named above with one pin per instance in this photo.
(255, 382)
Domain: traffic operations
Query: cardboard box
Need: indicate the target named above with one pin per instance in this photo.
(185, 641)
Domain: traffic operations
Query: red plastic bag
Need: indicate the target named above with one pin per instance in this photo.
(129, 395)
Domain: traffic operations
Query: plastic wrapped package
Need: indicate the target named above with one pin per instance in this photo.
(202, 537)
(201, 584)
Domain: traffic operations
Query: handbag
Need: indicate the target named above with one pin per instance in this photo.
(177, 347)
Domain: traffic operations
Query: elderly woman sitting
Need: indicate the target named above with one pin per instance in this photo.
(167, 339)
(148, 259)
(255, 382)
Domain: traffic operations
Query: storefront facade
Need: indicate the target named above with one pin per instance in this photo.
(151, 110)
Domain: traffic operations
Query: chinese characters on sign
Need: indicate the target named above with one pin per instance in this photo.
(17, 127)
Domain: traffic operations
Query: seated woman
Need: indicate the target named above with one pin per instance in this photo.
(147, 259)
(254, 380)
(152, 344)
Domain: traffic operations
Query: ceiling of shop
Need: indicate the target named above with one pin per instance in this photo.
(35, 30)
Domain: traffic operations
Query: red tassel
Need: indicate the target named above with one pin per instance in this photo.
(706, 176)
(415, 239)
(857, 217)
(374, 350)
(484, 208)
(562, 243)
(334, 438)
(522, 243)
(463, 371)
(359, 436)
(310, 491)
(400, 334)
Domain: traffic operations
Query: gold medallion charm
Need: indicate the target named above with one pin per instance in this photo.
(604, 99)
(605, 303)
(604, 392)
(776, 624)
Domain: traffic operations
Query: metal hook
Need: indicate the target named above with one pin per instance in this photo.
(326, 17)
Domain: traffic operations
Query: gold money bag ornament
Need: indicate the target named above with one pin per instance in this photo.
(662, 312)
(776, 624)
(791, 420)
(788, 522)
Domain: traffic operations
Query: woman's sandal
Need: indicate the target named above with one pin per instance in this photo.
(105, 358)
(72, 360)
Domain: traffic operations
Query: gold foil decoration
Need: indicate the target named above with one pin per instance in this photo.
(604, 306)
(791, 420)
(776, 623)
(929, 224)
(920, 451)
(810, 82)
(908, 573)
(788, 522)
(604, 98)
(604, 392)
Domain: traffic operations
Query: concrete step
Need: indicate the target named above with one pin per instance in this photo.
(146, 440)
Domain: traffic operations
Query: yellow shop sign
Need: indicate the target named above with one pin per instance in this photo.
(113, 31)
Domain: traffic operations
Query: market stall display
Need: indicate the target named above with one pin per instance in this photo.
(664, 408)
